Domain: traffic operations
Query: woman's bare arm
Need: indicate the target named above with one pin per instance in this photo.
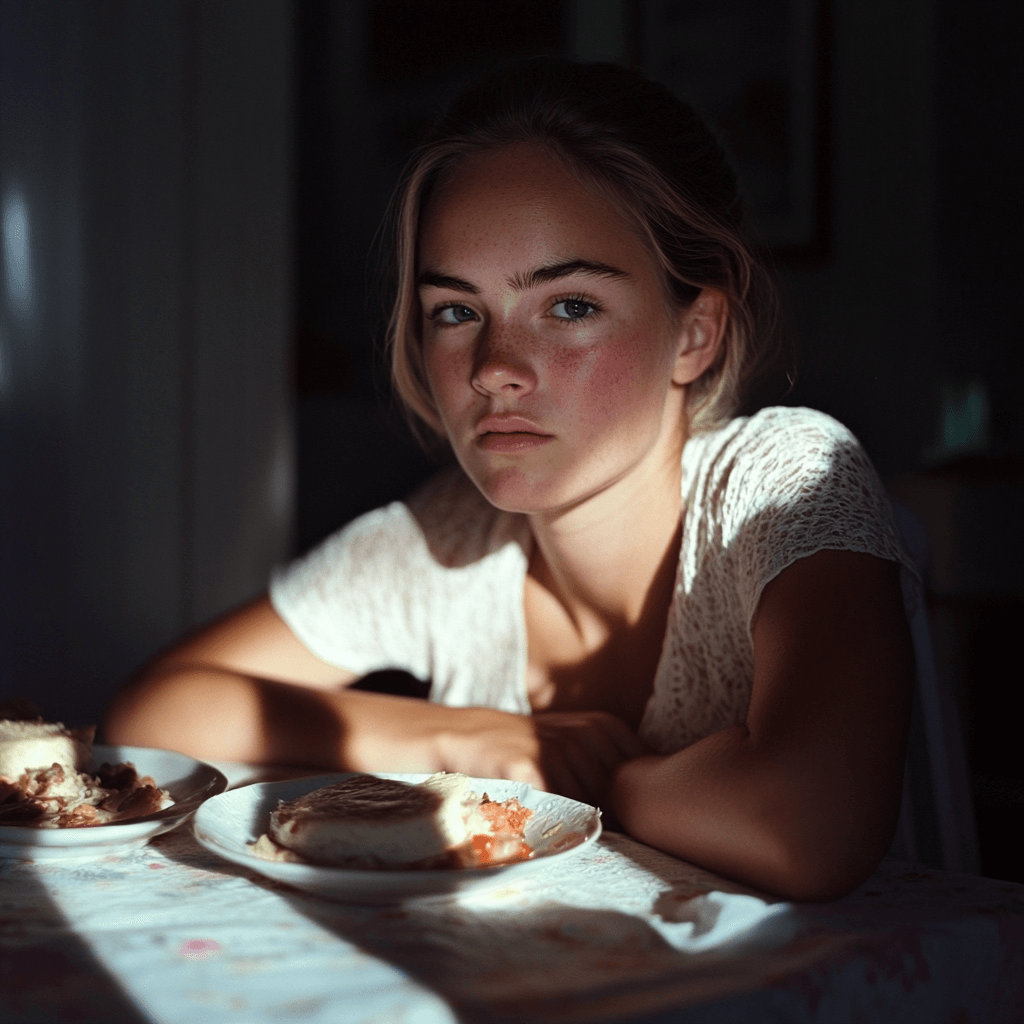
(241, 688)
(246, 689)
(802, 800)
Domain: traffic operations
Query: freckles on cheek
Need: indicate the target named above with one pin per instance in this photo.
(443, 369)
(606, 379)
(574, 367)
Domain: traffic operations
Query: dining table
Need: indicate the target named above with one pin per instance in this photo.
(170, 932)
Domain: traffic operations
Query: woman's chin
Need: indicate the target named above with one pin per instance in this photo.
(511, 490)
(513, 499)
(514, 491)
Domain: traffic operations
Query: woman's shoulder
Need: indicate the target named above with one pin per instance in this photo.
(776, 444)
(784, 465)
(380, 577)
(773, 427)
(787, 482)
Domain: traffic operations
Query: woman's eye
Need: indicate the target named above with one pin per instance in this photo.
(572, 309)
(453, 315)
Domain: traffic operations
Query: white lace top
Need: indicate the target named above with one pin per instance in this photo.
(434, 585)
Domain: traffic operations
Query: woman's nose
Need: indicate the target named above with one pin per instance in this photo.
(503, 368)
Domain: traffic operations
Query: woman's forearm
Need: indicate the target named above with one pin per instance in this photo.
(762, 818)
(221, 715)
(217, 714)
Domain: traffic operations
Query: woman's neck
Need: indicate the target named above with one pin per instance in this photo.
(603, 558)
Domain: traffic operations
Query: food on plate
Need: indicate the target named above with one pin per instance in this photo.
(30, 744)
(369, 822)
(43, 785)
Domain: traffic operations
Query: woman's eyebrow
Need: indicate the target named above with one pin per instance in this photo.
(521, 282)
(563, 268)
(431, 279)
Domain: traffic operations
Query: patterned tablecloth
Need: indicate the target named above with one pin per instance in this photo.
(171, 933)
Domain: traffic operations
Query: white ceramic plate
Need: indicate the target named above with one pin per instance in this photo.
(558, 829)
(188, 781)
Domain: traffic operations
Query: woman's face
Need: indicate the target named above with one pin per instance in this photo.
(547, 342)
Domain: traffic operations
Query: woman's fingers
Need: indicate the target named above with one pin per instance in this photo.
(583, 750)
(610, 739)
(629, 744)
(589, 759)
(556, 767)
(572, 771)
(525, 770)
(572, 753)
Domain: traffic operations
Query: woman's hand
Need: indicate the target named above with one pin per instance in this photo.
(582, 750)
(573, 753)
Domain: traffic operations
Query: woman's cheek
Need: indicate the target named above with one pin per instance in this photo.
(444, 373)
(615, 381)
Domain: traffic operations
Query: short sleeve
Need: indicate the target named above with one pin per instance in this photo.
(802, 483)
(431, 586)
(357, 601)
(758, 494)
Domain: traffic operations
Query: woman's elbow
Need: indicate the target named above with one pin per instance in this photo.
(820, 883)
(159, 709)
(133, 716)
(811, 868)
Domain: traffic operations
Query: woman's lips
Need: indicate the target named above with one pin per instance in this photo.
(511, 441)
(509, 434)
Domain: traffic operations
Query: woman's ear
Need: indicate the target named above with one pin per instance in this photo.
(701, 335)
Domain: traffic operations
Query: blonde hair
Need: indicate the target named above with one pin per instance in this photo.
(646, 151)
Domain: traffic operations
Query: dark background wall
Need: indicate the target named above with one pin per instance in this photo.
(190, 385)
(146, 445)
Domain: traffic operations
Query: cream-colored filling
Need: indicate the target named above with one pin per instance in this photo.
(25, 746)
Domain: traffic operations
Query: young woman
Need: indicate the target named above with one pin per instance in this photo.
(622, 592)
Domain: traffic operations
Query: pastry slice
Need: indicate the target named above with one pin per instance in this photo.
(380, 821)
